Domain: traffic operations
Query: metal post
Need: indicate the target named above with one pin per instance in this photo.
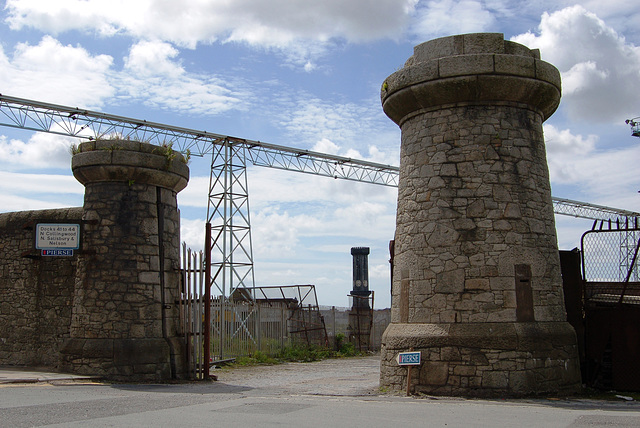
(207, 302)
(225, 232)
(283, 327)
(409, 376)
(258, 325)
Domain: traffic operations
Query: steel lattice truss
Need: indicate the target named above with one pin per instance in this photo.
(85, 124)
(70, 121)
(591, 211)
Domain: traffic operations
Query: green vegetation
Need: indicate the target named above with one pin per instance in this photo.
(256, 358)
(345, 349)
(300, 354)
(112, 147)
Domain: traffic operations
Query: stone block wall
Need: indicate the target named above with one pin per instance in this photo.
(36, 293)
(111, 309)
(480, 193)
(125, 319)
(476, 276)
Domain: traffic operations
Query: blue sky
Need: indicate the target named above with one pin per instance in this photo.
(307, 75)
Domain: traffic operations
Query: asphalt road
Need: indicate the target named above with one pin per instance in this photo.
(333, 393)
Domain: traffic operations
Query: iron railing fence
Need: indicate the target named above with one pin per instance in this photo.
(192, 292)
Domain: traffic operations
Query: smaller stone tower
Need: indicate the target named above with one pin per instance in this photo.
(360, 316)
(361, 274)
(125, 315)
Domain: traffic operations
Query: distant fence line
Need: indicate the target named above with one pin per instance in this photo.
(336, 320)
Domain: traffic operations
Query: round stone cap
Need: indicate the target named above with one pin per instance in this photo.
(359, 250)
(130, 161)
(480, 68)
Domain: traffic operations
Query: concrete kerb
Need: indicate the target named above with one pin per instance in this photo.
(17, 375)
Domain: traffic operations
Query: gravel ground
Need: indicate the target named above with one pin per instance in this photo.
(335, 377)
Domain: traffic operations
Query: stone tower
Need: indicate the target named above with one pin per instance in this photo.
(361, 275)
(124, 321)
(360, 315)
(476, 279)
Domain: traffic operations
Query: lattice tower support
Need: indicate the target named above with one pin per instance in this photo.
(229, 218)
(629, 241)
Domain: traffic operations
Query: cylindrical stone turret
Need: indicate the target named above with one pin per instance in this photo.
(125, 317)
(360, 273)
(476, 276)
(360, 315)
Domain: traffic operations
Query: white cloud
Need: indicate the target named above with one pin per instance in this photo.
(50, 71)
(21, 203)
(38, 191)
(300, 27)
(600, 69)
(40, 151)
(148, 59)
(564, 143)
(19, 183)
(610, 176)
(277, 234)
(583, 76)
(448, 17)
(620, 14)
(196, 193)
(192, 233)
(326, 146)
(152, 75)
(344, 129)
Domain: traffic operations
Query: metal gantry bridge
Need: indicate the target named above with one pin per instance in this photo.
(228, 216)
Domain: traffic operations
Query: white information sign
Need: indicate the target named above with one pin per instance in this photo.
(57, 236)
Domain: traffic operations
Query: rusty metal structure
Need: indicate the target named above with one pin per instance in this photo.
(305, 323)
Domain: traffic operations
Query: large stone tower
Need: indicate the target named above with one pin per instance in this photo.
(476, 279)
(125, 315)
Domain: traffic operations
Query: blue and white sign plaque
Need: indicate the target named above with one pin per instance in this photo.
(409, 358)
(57, 239)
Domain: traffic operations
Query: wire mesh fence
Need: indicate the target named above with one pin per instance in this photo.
(611, 308)
(610, 266)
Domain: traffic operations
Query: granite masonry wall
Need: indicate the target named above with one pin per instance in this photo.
(124, 323)
(36, 293)
(111, 308)
(476, 277)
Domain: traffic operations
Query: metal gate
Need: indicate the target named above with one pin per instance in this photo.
(612, 306)
(192, 304)
(265, 319)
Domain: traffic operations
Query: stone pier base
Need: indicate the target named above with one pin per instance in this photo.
(120, 359)
(483, 359)
(125, 321)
